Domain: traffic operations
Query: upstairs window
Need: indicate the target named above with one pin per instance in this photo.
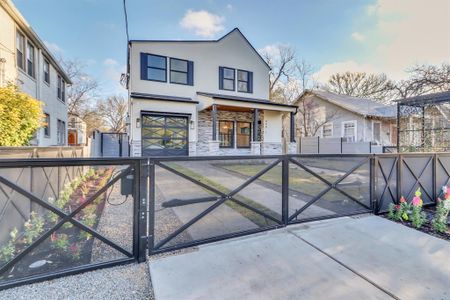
(226, 79)
(47, 125)
(30, 60)
(153, 67)
(181, 71)
(20, 45)
(47, 71)
(58, 87)
(245, 81)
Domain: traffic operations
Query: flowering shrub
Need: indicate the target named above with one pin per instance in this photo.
(33, 228)
(8, 251)
(408, 211)
(439, 221)
(60, 241)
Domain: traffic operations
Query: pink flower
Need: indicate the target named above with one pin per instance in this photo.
(397, 207)
(402, 199)
(417, 201)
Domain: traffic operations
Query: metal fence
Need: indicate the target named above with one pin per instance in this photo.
(60, 217)
(63, 216)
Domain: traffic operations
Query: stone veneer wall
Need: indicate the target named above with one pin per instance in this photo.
(204, 126)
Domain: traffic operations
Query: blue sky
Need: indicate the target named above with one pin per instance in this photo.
(356, 35)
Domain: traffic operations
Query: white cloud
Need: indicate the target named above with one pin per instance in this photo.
(229, 7)
(357, 36)
(202, 22)
(109, 62)
(405, 32)
(339, 67)
(54, 48)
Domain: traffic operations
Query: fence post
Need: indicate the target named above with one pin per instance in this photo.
(434, 179)
(373, 184)
(318, 145)
(141, 181)
(399, 178)
(151, 206)
(285, 190)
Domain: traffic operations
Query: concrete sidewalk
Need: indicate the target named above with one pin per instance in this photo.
(345, 258)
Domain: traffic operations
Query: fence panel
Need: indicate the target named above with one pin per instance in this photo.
(328, 186)
(65, 216)
(386, 192)
(442, 171)
(416, 171)
(210, 198)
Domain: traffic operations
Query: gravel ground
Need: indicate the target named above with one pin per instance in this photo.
(122, 282)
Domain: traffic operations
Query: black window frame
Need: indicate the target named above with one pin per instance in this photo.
(63, 90)
(59, 87)
(20, 60)
(231, 146)
(222, 77)
(47, 131)
(156, 68)
(249, 135)
(248, 81)
(31, 71)
(46, 76)
(61, 132)
(176, 71)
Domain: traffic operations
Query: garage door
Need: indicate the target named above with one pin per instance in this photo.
(164, 135)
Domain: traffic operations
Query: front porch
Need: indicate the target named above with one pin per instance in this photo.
(229, 126)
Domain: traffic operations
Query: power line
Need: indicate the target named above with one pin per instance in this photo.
(126, 19)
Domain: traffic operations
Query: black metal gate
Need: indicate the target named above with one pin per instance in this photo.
(164, 135)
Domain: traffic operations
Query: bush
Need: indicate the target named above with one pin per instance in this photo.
(439, 221)
(20, 116)
(409, 211)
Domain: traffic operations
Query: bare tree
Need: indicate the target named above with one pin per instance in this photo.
(359, 84)
(281, 61)
(312, 116)
(424, 79)
(83, 90)
(113, 110)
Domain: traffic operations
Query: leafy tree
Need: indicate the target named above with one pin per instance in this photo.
(20, 116)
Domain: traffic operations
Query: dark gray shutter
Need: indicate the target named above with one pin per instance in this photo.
(190, 79)
(250, 82)
(144, 66)
(220, 78)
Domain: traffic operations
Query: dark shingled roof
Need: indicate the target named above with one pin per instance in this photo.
(426, 99)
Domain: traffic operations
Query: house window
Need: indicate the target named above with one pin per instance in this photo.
(46, 71)
(349, 131)
(153, 67)
(245, 81)
(376, 132)
(181, 71)
(30, 59)
(226, 134)
(243, 134)
(61, 132)
(327, 130)
(47, 125)
(226, 78)
(20, 45)
(61, 89)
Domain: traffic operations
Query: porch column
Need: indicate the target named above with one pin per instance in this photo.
(292, 127)
(255, 124)
(214, 122)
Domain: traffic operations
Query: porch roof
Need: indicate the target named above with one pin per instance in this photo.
(227, 100)
(162, 97)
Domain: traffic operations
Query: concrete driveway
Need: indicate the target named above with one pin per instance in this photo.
(346, 258)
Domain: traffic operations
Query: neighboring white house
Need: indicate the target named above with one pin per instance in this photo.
(202, 98)
(77, 128)
(27, 62)
(351, 118)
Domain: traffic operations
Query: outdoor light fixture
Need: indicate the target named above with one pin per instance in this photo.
(192, 124)
(127, 120)
(138, 122)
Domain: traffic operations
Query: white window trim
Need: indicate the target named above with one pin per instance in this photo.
(350, 122)
(332, 129)
(373, 132)
(392, 129)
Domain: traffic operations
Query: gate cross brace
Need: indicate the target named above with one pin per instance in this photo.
(417, 178)
(387, 180)
(223, 197)
(65, 218)
(329, 188)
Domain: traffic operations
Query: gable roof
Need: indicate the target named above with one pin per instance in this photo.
(207, 41)
(362, 106)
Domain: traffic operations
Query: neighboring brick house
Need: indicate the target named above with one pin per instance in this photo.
(202, 98)
(351, 118)
(27, 62)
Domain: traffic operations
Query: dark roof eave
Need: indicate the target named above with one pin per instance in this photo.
(163, 97)
(244, 99)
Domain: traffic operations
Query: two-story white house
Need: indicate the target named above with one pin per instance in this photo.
(202, 98)
(26, 62)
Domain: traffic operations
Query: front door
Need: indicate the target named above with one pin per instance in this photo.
(164, 135)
